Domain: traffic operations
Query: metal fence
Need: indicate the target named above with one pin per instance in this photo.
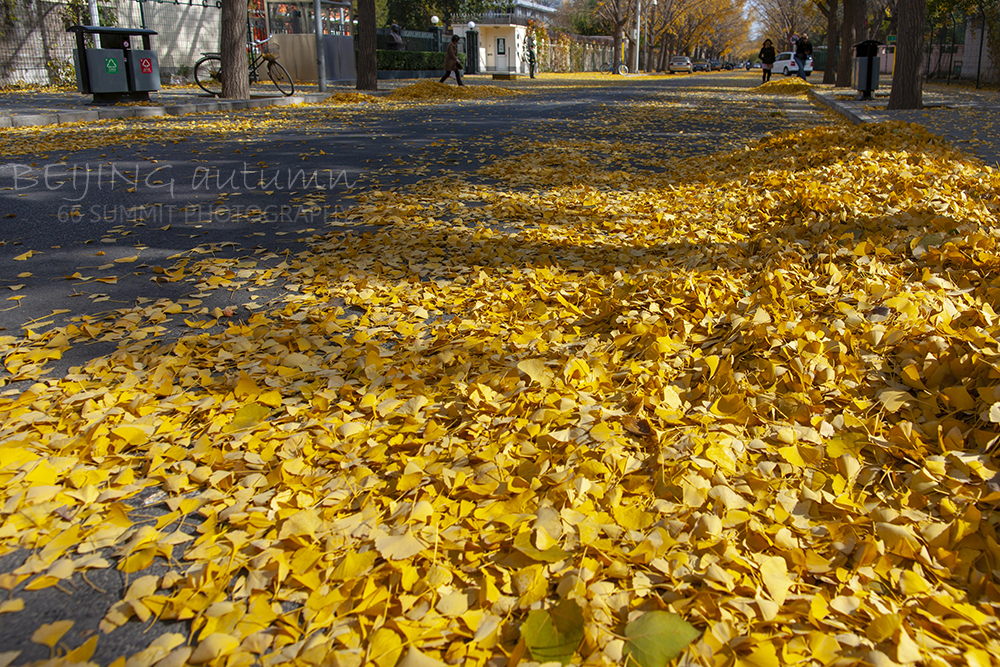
(185, 29)
(36, 49)
(34, 45)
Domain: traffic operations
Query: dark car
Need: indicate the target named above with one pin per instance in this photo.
(715, 65)
(701, 66)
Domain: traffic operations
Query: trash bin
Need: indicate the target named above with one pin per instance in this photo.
(866, 67)
(116, 72)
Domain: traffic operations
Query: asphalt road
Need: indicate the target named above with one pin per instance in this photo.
(202, 197)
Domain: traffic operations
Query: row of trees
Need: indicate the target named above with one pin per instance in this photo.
(714, 28)
(843, 23)
(720, 27)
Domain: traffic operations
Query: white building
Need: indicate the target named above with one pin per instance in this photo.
(503, 35)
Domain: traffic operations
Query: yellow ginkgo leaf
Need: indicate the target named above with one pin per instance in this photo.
(537, 371)
(49, 634)
(774, 573)
(212, 647)
(399, 547)
(16, 604)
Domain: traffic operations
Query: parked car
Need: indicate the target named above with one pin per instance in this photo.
(715, 64)
(701, 66)
(785, 63)
(680, 64)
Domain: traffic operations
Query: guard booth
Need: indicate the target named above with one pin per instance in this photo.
(114, 70)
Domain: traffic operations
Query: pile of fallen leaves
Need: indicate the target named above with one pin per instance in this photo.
(432, 90)
(351, 98)
(785, 86)
(757, 391)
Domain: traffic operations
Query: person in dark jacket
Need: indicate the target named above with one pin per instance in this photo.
(396, 41)
(451, 61)
(530, 53)
(803, 49)
(767, 57)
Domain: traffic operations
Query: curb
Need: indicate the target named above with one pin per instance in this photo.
(856, 117)
(64, 117)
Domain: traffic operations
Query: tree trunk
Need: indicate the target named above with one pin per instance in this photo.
(846, 59)
(830, 69)
(233, 50)
(367, 65)
(861, 31)
(907, 84)
(619, 39)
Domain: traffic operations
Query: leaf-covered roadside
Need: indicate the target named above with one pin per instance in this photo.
(756, 390)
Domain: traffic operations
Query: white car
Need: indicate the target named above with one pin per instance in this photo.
(680, 64)
(785, 63)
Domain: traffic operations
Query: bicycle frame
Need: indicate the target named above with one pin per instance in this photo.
(209, 79)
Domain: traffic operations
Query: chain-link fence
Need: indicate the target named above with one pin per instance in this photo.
(36, 49)
(184, 30)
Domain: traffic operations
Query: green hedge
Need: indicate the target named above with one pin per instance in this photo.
(411, 60)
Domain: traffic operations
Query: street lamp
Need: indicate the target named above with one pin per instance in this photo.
(472, 49)
(646, 26)
(437, 30)
(634, 65)
(638, 31)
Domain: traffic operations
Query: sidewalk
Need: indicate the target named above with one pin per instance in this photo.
(24, 108)
(20, 108)
(967, 117)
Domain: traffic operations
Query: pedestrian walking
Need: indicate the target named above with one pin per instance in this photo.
(451, 61)
(803, 49)
(531, 56)
(767, 57)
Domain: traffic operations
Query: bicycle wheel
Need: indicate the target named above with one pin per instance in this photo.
(208, 74)
(622, 69)
(281, 79)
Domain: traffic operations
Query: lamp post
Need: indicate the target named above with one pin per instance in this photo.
(437, 30)
(645, 61)
(320, 46)
(472, 49)
(634, 65)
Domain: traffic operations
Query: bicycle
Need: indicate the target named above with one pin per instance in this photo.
(208, 71)
(609, 68)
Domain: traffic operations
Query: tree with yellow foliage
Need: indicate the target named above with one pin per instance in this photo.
(681, 26)
(618, 13)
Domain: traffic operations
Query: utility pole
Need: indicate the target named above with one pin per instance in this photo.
(320, 48)
(95, 20)
(634, 65)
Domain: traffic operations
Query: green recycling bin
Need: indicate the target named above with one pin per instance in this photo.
(115, 71)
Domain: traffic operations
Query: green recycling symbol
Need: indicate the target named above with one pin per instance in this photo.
(111, 65)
